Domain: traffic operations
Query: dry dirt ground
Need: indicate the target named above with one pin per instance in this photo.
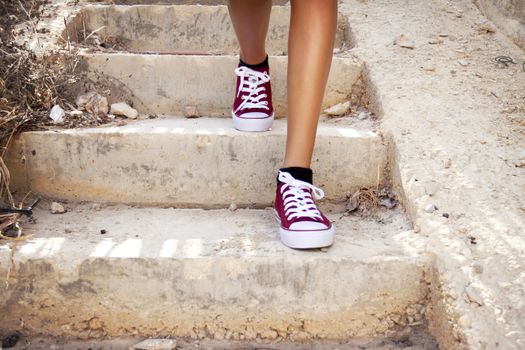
(457, 120)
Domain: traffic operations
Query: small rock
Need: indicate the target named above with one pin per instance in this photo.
(191, 112)
(96, 206)
(57, 208)
(93, 102)
(464, 321)
(430, 208)
(103, 231)
(388, 202)
(486, 27)
(57, 114)
(447, 163)
(363, 115)
(446, 215)
(417, 229)
(405, 42)
(463, 63)
(435, 41)
(156, 344)
(75, 113)
(233, 206)
(339, 109)
(122, 108)
(473, 295)
(429, 67)
(353, 202)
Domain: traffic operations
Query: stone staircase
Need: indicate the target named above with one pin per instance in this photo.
(160, 254)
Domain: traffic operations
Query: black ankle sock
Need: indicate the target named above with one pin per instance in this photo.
(302, 174)
(254, 66)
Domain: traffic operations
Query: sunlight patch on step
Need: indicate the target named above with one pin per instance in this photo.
(102, 249)
(169, 248)
(43, 247)
(130, 248)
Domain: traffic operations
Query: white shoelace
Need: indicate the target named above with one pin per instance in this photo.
(298, 202)
(251, 82)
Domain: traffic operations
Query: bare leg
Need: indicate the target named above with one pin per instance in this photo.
(250, 20)
(313, 25)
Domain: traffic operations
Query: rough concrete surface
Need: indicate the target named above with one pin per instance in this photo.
(165, 84)
(176, 29)
(121, 271)
(509, 15)
(181, 162)
(456, 119)
(415, 340)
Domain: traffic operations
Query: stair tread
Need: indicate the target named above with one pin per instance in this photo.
(342, 127)
(156, 233)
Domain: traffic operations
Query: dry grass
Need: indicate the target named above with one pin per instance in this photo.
(30, 86)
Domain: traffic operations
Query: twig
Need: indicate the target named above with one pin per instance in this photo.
(94, 32)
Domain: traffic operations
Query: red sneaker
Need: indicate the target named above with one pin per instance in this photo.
(303, 226)
(252, 107)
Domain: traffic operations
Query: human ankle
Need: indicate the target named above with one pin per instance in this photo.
(299, 173)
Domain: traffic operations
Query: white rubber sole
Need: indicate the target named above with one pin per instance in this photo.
(306, 239)
(252, 124)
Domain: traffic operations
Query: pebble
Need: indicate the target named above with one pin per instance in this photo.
(435, 41)
(464, 321)
(405, 42)
(57, 114)
(57, 208)
(486, 27)
(96, 206)
(94, 103)
(156, 344)
(122, 108)
(388, 202)
(429, 67)
(446, 215)
(233, 206)
(191, 112)
(430, 208)
(339, 109)
(473, 295)
(463, 63)
(363, 115)
(75, 113)
(447, 163)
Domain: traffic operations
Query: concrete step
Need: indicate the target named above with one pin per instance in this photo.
(165, 84)
(176, 29)
(208, 274)
(188, 162)
(171, 2)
